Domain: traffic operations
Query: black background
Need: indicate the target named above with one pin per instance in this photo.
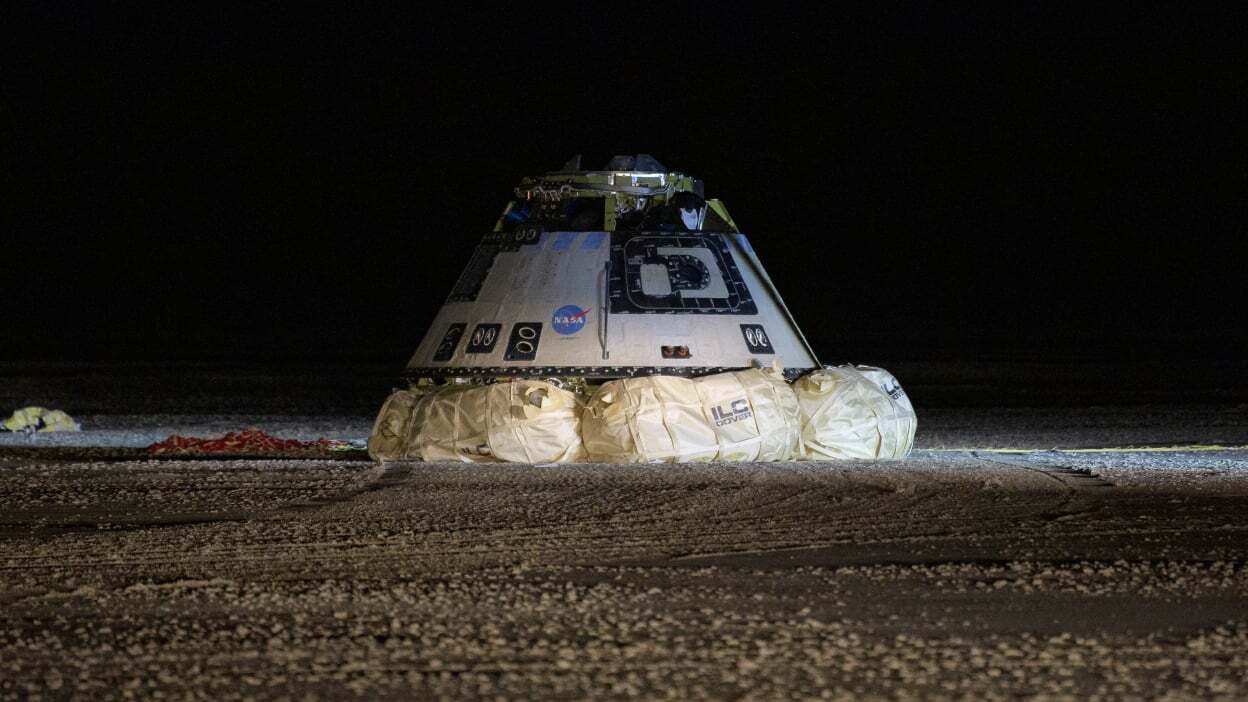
(283, 184)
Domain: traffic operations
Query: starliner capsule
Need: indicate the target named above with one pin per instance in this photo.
(619, 316)
(591, 275)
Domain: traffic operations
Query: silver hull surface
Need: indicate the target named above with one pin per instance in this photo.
(610, 304)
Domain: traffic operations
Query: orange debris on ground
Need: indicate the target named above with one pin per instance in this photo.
(244, 443)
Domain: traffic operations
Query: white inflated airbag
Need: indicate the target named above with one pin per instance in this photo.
(854, 412)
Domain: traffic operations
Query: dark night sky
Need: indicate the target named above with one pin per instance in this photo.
(278, 183)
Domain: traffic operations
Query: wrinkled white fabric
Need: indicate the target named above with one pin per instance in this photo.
(780, 417)
(525, 421)
(39, 419)
(854, 412)
(386, 442)
(532, 421)
(749, 415)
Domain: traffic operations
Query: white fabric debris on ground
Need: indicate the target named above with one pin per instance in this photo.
(39, 419)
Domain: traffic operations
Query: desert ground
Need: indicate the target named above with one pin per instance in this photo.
(1010, 556)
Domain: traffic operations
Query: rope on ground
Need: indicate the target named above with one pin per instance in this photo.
(1110, 449)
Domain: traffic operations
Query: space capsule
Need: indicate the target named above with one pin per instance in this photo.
(625, 271)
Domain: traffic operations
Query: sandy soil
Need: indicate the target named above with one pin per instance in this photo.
(957, 574)
(949, 575)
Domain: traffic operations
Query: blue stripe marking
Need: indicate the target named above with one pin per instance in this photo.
(593, 240)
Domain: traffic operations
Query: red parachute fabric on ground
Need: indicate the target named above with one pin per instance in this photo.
(240, 443)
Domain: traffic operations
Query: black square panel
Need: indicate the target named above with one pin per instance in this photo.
(690, 262)
(450, 340)
(484, 338)
(756, 338)
(522, 345)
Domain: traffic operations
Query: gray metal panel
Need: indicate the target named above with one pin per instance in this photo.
(557, 283)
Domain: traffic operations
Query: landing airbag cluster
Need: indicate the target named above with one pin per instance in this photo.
(842, 412)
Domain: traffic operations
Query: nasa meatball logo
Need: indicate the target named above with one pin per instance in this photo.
(568, 319)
